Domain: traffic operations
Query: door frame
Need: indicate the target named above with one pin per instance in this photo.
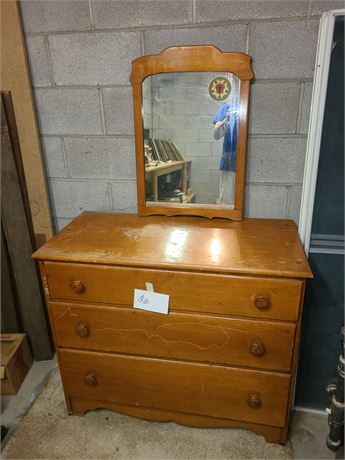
(317, 110)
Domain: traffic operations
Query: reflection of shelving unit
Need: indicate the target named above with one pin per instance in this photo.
(153, 172)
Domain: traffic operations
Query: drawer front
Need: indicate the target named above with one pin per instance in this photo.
(205, 293)
(223, 392)
(252, 343)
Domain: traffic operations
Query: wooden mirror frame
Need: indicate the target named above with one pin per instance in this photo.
(199, 58)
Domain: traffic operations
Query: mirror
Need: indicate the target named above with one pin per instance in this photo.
(190, 106)
(190, 137)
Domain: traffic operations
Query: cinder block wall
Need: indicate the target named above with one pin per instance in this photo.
(80, 53)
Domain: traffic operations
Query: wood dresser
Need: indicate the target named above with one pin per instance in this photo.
(226, 353)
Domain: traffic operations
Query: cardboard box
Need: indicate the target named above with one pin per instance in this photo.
(16, 361)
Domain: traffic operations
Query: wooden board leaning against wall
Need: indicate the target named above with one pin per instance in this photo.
(22, 302)
(15, 77)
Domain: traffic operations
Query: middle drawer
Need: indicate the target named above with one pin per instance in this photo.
(204, 338)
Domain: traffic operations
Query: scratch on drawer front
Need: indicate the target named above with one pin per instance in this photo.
(225, 340)
(67, 310)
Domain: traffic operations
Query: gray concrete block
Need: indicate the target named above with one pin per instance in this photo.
(194, 81)
(215, 176)
(204, 162)
(208, 107)
(201, 175)
(113, 14)
(276, 160)
(217, 147)
(147, 105)
(172, 121)
(266, 201)
(206, 134)
(182, 146)
(70, 198)
(118, 110)
(100, 158)
(200, 121)
(53, 157)
(147, 89)
(55, 15)
(69, 111)
(206, 199)
(320, 6)
(198, 148)
(305, 113)
(204, 188)
(174, 88)
(124, 196)
(38, 61)
(93, 58)
(177, 134)
(177, 108)
(284, 49)
(228, 10)
(294, 202)
(227, 38)
(60, 223)
(147, 120)
(274, 108)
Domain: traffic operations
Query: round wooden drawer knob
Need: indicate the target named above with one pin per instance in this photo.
(90, 380)
(77, 286)
(257, 348)
(262, 302)
(254, 401)
(82, 330)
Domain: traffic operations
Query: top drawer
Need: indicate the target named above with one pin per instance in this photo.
(274, 298)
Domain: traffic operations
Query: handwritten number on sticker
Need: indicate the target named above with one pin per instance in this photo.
(143, 300)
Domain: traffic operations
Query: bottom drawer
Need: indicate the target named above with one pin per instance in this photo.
(215, 391)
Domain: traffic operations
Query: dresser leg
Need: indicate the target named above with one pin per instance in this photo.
(285, 432)
(272, 435)
(69, 405)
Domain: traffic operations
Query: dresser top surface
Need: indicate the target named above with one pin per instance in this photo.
(254, 246)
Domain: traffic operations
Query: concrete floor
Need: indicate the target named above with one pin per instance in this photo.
(308, 433)
(14, 407)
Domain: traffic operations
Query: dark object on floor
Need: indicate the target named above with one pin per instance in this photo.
(4, 431)
(336, 412)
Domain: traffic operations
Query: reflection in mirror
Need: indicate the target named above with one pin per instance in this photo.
(190, 137)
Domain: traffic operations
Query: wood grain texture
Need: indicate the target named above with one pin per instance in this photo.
(199, 389)
(201, 338)
(207, 293)
(294, 363)
(252, 247)
(236, 298)
(15, 77)
(9, 320)
(196, 58)
(79, 406)
(19, 242)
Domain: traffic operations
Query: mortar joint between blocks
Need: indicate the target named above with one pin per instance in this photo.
(91, 15)
(50, 62)
(101, 108)
(64, 154)
(300, 108)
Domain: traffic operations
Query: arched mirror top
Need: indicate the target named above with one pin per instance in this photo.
(193, 58)
(190, 117)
